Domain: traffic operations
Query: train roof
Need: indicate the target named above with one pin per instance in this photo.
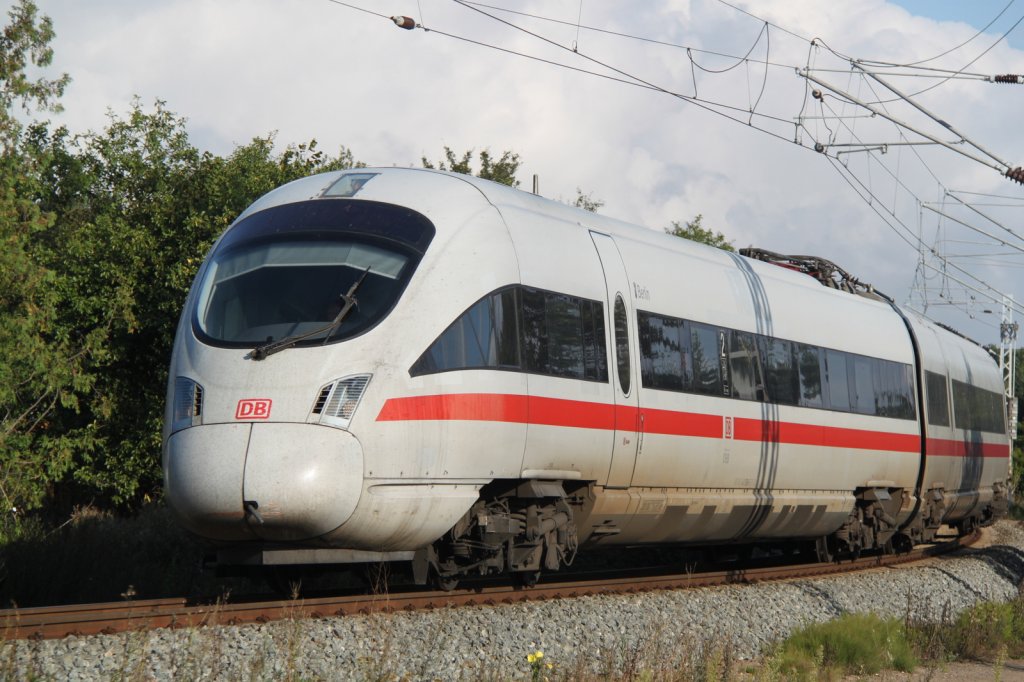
(431, 191)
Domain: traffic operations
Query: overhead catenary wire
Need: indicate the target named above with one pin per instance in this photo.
(968, 64)
(704, 104)
(625, 76)
(629, 36)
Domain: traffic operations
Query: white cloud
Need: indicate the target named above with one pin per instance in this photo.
(240, 68)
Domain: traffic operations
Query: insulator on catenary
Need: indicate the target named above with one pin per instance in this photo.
(408, 23)
(1009, 78)
(1016, 174)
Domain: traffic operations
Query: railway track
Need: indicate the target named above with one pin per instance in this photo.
(90, 619)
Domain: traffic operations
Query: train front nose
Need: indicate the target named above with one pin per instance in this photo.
(283, 482)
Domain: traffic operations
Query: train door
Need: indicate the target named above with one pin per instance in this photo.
(625, 377)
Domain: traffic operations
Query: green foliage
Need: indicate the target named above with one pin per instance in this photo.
(25, 42)
(694, 231)
(586, 201)
(855, 644)
(503, 170)
(983, 632)
(39, 368)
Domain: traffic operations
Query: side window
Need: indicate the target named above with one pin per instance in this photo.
(937, 397)
(523, 329)
(808, 360)
(862, 382)
(622, 343)
(780, 371)
(976, 409)
(838, 384)
(595, 360)
(707, 377)
(486, 335)
(563, 320)
(894, 390)
(664, 352)
(745, 372)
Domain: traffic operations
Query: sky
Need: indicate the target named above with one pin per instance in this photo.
(662, 110)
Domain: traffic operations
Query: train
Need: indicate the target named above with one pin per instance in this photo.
(408, 365)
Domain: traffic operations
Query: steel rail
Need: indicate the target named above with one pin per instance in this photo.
(50, 622)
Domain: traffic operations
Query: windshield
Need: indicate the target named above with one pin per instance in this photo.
(293, 282)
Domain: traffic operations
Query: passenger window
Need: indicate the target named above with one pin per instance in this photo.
(523, 329)
(894, 390)
(622, 343)
(595, 361)
(862, 383)
(745, 373)
(707, 377)
(563, 320)
(665, 361)
(483, 336)
(780, 371)
(809, 367)
(976, 409)
(838, 386)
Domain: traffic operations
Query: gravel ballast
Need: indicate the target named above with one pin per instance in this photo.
(596, 634)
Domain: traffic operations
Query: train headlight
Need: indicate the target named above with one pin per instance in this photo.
(338, 400)
(188, 404)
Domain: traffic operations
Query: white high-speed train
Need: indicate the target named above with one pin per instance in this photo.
(402, 364)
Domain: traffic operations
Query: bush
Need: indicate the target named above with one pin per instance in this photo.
(855, 644)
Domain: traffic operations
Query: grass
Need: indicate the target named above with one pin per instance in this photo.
(854, 644)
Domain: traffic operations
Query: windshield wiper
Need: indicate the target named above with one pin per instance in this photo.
(260, 352)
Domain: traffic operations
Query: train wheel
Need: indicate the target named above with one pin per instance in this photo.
(447, 583)
(825, 550)
(527, 578)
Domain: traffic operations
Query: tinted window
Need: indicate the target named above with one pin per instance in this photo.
(745, 372)
(976, 409)
(781, 379)
(665, 352)
(526, 329)
(704, 344)
(622, 343)
(894, 389)
(838, 380)
(808, 361)
(564, 322)
(681, 355)
(486, 335)
(862, 383)
(937, 396)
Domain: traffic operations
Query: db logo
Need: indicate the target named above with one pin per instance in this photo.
(253, 408)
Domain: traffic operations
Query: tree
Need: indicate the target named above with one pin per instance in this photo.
(39, 369)
(503, 170)
(694, 231)
(586, 201)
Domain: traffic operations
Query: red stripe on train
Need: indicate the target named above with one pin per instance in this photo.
(523, 409)
(938, 447)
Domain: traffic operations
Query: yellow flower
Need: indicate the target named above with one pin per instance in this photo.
(534, 657)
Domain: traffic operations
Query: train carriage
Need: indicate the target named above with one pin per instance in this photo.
(414, 365)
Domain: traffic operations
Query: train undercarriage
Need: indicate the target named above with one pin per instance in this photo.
(524, 528)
